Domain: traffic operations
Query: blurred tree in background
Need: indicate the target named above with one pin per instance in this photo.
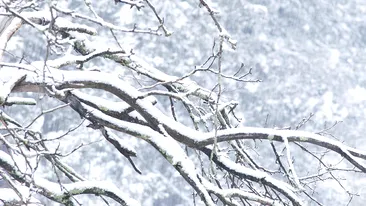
(182, 102)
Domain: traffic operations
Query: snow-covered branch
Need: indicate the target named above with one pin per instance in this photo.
(10, 26)
(188, 136)
(7, 86)
(63, 194)
(133, 97)
(292, 136)
(255, 176)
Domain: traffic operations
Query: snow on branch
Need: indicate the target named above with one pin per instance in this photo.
(192, 138)
(188, 136)
(173, 152)
(11, 26)
(292, 136)
(11, 197)
(73, 59)
(134, 3)
(102, 22)
(64, 25)
(19, 101)
(132, 61)
(136, 113)
(222, 30)
(63, 194)
(7, 86)
(254, 175)
(4, 118)
(226, 195)
(169, 148)
(83, 187)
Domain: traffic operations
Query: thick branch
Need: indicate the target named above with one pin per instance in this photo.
(183, 134)
(7, 87)
(165, 145)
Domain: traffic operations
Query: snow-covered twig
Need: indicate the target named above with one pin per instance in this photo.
(223, 32)
(192, 138)
(226, 195)
(52, 190)
(102, 22)
(292, 171)
(254, 175)
(161, 21)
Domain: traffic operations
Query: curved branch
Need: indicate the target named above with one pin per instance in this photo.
(7, 87)
(9, 26)
(181, 133)
(292, 136)
(254, 175)
(169, 148)
(119, 110)
(226, 194)
(52, 190)
(83, 187)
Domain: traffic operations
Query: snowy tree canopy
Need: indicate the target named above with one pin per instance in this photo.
(95, 95)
